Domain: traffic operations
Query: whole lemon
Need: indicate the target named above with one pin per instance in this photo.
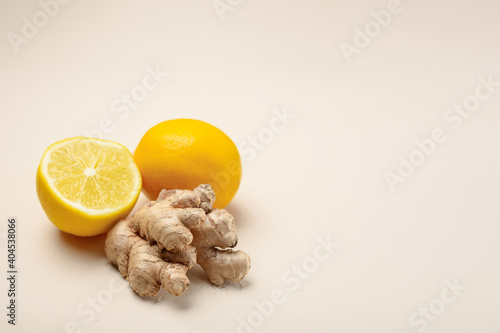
(184, 153)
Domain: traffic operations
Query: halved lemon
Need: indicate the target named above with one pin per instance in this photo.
(85, 185)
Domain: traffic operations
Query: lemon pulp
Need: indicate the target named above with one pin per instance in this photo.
(84, 180)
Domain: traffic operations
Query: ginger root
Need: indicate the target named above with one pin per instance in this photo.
(157, 245)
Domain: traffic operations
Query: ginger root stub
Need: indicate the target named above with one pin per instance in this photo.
(157, 245)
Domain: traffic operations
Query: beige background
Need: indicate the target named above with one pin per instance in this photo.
(321, 175)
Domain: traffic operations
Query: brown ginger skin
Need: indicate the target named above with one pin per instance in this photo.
(157, 245)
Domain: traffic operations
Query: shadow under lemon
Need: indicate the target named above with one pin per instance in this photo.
(90, 246)
(94, 246)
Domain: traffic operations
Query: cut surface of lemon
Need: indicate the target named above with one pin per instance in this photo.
(85, 185)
